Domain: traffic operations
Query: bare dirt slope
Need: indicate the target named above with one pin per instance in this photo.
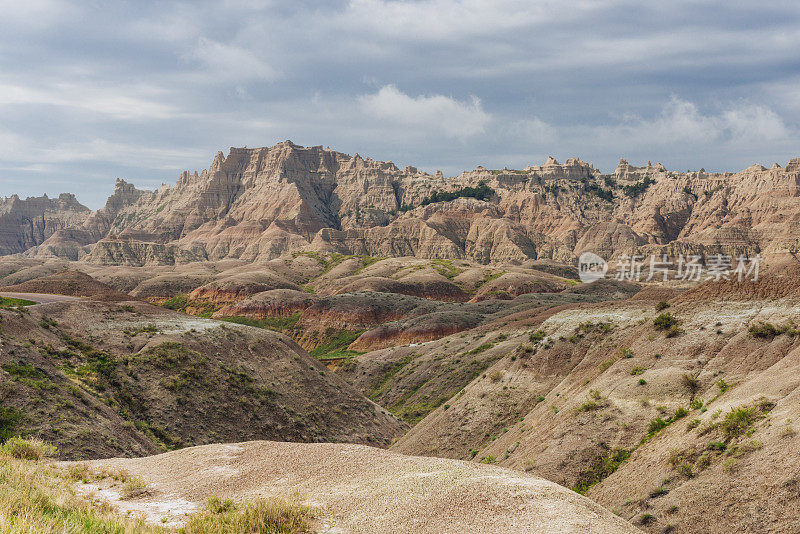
(685, 429)
(357, 488)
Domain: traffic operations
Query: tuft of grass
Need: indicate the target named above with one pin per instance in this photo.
(27, 449)
(216, 505)
(606, 364)
(658, 492)
(656, 424)
(38, 497)
(134, 487)
(638, 370)
(692, 383)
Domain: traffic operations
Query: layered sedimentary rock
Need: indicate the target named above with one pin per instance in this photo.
(259, 204)
(27, 223)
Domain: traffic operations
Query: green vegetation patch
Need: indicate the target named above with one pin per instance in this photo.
(334, 341)
(763, 330)
(738, 420)
(446, 268)
(279, 324)
(664, 321)
(602, 466)
(634, 190)
(178, 302)
(481, 192)
(9, 419)
(6, 302)
(382, 385)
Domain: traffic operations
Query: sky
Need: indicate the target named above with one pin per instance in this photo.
(94, 90)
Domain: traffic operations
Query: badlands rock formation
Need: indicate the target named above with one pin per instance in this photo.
(262, 203)
(27, 223)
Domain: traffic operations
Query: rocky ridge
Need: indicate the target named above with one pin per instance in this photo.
(261, 203)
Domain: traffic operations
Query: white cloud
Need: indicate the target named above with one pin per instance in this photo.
(229, 62)
(682, 122)
(436, 113)
(31, 15)
(133, 102)
(453, 19)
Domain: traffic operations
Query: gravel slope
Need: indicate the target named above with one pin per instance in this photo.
(357, 488)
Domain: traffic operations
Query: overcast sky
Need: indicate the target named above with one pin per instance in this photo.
(94, 90)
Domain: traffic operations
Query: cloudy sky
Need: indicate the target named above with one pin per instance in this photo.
(93, 90)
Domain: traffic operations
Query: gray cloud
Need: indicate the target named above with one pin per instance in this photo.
(90, 91)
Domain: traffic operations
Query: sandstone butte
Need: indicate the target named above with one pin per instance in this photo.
(261, 203)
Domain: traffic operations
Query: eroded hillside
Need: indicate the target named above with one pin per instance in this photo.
(102, 379)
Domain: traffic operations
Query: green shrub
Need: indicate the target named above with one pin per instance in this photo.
(765, 330)
(662, 305)
(664, 321)
(638, 370)
(680, 413)
(537, 336)
(656, 425)
(737, 421)
(722, 385)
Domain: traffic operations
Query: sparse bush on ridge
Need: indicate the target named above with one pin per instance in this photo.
(692, 383)
(537, 336)
(602, 466)
(737, 421)
(764, 330)
(664, 321)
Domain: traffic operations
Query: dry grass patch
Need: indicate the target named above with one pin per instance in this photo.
(38, 497)
(35, 497)
(272, 516)
(27, 449)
